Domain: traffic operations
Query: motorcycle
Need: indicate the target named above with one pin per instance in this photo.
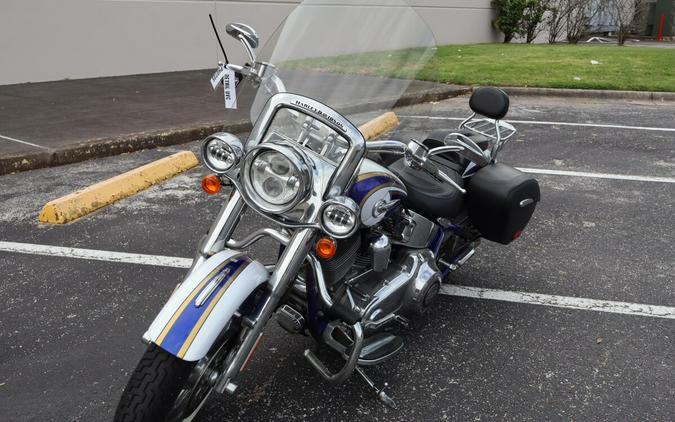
(368, 230)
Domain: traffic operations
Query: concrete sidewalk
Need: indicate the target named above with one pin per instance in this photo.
(53, 123)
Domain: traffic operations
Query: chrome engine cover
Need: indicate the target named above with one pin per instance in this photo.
(407, 286)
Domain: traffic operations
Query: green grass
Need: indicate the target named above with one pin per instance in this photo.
(551, 66)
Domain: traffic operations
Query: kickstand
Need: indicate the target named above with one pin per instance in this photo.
(388, 401)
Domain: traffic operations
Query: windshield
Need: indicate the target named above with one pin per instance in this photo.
(353, 55)
(309, 133)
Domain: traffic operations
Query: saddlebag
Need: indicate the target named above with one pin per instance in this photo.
(500, 201)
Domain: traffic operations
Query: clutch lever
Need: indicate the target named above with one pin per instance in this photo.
(417, 157)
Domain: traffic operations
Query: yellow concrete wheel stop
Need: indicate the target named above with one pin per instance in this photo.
(85, 201)
(379, 125)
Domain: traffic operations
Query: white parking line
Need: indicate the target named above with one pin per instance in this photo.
(22, 142)
(655, 179)
(128, 258)
(568, 302)
(531, 122)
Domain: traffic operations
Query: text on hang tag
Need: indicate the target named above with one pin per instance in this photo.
(229, 87)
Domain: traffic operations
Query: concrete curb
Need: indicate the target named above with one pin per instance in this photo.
(105, 147)
(88, 200)
(592, 93)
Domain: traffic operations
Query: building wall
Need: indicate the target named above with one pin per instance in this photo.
(42, 40)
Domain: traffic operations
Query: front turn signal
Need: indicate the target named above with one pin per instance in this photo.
(325, 248)
(211, 184)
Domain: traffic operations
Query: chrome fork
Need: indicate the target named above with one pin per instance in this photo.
(280, 280)
(221, 229)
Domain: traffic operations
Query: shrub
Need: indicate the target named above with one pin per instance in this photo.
(509, 17)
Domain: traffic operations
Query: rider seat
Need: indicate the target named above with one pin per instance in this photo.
(427, 195)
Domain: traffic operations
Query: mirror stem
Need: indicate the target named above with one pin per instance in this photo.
(249, 50)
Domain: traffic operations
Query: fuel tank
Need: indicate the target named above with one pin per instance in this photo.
(373, 186)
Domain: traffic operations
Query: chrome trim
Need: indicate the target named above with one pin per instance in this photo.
(383, 206)
(298, 159)
(381, 248)
(352, 159)
(221, 229)
(350, 365)
(387, 146)
(422, 231)
(210, 288)
(280, 280)
(466, 257)
(444, 149)
(374, 345)
(526, 202)
(467, 120)
(350, 205)
(471, 151)
(234, 145)
(320, 280)
(402, 288)
(417, 157)
(256, 236)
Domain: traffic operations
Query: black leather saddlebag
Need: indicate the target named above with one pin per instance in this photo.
(500, 201)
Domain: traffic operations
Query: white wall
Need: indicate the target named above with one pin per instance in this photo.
(42, 40)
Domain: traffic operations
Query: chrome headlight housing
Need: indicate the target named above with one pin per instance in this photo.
(339, 217)
(221, 152)
(276, 177)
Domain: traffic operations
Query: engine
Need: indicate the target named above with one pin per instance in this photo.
(380, 286)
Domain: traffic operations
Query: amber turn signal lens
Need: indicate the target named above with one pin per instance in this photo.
(325, 248)
(211, 184)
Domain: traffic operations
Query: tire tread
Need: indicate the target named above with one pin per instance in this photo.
(153, 387)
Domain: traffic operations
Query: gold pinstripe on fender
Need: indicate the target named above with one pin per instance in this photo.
(191, 297)
(193, 333)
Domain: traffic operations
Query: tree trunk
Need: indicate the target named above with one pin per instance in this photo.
(621, 37)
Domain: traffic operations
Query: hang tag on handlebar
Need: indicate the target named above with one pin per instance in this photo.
(218, 76)
(229, 87)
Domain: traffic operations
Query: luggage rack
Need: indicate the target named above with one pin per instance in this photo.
(494, 129)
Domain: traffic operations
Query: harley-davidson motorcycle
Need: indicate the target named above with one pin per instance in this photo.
(368, 230)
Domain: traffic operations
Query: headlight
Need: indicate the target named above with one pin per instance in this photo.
(276, 177)
(340, 217)
(221, 152)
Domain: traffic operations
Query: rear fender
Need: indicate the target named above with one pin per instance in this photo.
(203, 304)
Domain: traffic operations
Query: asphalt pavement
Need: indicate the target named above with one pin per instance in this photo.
(70, 329)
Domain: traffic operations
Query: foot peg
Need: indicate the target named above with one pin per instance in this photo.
(379, 347)
(350, 365)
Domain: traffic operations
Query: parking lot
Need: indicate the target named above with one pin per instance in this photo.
(70, 328)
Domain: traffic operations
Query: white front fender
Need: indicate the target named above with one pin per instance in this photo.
(202, 305)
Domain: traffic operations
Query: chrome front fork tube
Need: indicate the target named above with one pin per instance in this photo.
(279, 282)
(221, 229)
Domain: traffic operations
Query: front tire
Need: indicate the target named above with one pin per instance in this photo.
(154, 387)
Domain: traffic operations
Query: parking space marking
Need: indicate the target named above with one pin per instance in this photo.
(568, 302)
(544, 123)
(97, 255)
(655, 179)
(21, 142)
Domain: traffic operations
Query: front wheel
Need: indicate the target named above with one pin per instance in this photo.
(166, 388)
(154, 387)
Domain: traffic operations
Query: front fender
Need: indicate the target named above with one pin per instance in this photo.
(202, 305)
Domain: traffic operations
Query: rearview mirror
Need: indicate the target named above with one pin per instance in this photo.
(246, 34)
